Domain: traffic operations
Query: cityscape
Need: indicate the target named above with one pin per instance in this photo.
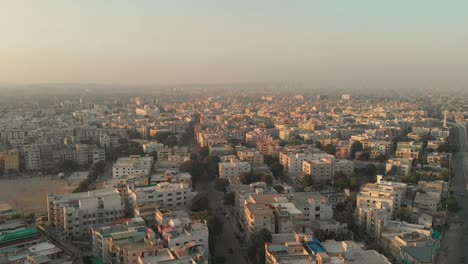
(219, 133)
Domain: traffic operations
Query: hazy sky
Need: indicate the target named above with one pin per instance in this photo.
(323, 43)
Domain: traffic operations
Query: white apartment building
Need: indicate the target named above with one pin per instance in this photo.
(96, 155)
(104, 141)
(181, 231)
(403, 166)
(319, 169)
(233, 168)
(252, 156)
(315, 206)
(101, 236)
(133, 165)
(292, 160)
(151, 147)
(165, 194)
(32, 157)
(76, 213)
(344, 166)
(381, 194)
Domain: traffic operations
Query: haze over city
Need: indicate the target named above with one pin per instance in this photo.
(233, 132)
(356, 44)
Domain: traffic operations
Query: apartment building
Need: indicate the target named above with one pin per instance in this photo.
(403, 166)
(233, 168)
(259, 216)
(287, 217)
(181, 231)
(268, 148)
(32, 157)
(133, 165)
(252, 156)
(378, 202)
(10, 160)
(130, 229)
(76, 213)
(344, 166)
(313, 205)
(408, 150)
(165, 194)
(319, 169)
(150, 147)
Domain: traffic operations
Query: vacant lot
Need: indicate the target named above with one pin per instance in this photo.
(28, 195)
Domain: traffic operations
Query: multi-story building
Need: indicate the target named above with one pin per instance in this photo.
(259, 216)
(313, 205)
(268, 148)
(319, 169)
(181, 231)
(132, 229)
(233, 168)
(378, 200)
(32, 157)
(252, 156)
(76, 213)
(133, 165)
(344, 166)
(287, 217)
(10, 160)
(150, 147)
(408, 150)
(165, 194)
(401, 166)
(104, 141)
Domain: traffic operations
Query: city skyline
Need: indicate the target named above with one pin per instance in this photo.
(322, 44)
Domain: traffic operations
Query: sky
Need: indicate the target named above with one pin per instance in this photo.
(321, 43)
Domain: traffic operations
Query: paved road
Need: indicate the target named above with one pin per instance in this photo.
(228, 239)
(454, 246)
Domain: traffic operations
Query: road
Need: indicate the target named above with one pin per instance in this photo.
(454, 246)
(229, 237)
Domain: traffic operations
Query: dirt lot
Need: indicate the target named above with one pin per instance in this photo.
(27, 195)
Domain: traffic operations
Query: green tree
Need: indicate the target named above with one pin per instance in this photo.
(355, 147)
(330, 149)
(221, 184)
(307, 181)
(256, 245)
(279, 188)
(277, 169)
(404, 214)
(229, 198)
(200, 202)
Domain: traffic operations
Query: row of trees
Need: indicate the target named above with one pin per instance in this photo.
(95, 170)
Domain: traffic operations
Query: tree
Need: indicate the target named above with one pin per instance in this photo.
(69, 165)
(307, 181)
(82, 187)
(200, 202)
(341, 181)
(267, 179)
(256, 245)
(319, 145)
(279, 188)
(451, 204)
(204, 151)
(229, 198)
(277, 169)
(355, 147)
(221, 184)
(403, 214)
(393, 170)
(330, 149)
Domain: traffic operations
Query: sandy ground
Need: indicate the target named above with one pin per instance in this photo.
(28, 195)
